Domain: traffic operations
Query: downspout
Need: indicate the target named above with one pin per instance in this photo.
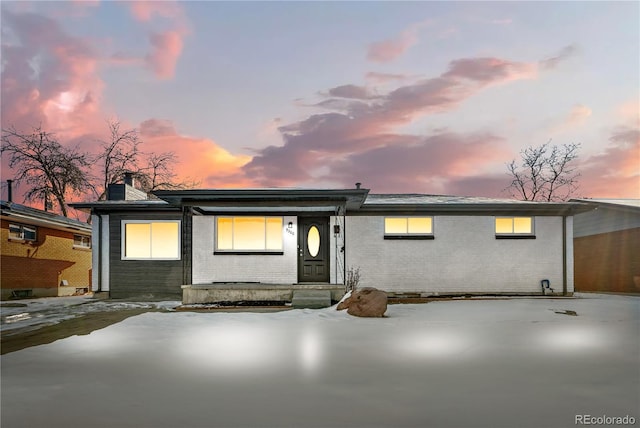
(564, 254)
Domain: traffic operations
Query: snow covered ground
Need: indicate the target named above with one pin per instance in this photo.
(31, 314)
(473, 363)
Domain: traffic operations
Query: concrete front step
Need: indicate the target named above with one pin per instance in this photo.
(311, 299)
(253, 292)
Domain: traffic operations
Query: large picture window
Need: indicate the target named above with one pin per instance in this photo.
(151, 240)
(514, 227)
(249, 234)
(408, 227)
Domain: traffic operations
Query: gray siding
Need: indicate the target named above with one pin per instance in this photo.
(142, 278)
(603, 220)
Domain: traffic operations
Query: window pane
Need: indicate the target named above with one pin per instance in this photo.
(165, 243)
(313, 241)
(15, 231)
(29, 233)
(225, 233)
(137, 240)
(395, 225)
(81, 241)
(274, 233)
(522, 225)
(248, 233)
(420, 225)
(504, 225)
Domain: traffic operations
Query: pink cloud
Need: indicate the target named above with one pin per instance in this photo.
(49, 78)
(199, 158)
(427, 164)
(613, 172)
(166, 45)
(389, 50)
(145, 11)
(490, 69)
(166, 49)
(578, 115)
(376, 77)
(363, 129)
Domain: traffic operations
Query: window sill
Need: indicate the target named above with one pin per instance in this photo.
(411, 237)
(248, 253)
(82, 248)
(22, 241)
(515, 236)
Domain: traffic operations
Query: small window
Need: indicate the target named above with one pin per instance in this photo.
(249, 234)
(514, 227)
(81, 241)
(151, 240)
(22, 233)
(408, 228)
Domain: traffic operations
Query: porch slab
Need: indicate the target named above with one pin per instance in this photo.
(253, 292)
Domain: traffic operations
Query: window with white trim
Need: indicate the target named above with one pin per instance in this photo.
(506, 227)
(150, 240)
(21, 232)
(249, 234)
(408, 227)
(81, 241)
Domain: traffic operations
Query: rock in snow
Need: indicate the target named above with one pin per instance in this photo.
(365, 302)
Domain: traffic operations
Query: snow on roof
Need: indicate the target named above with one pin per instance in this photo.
(418, 198)
(633, 203)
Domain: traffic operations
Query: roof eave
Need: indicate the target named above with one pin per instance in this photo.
(481, 208)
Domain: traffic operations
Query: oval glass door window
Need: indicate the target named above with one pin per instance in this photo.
(313, 241)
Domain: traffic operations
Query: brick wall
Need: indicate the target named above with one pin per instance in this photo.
(44, 263)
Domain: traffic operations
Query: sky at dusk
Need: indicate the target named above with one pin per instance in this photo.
(424, 97)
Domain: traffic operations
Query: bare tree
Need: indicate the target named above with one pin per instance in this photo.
(158, 173)
(119, 154)
(546, 173)
(123, 153)
(50, 170)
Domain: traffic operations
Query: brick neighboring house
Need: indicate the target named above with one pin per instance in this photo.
(42, 254)
(607, 246)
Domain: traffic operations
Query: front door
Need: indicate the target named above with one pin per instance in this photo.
(313, 249)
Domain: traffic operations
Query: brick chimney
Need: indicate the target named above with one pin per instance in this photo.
(125, 191)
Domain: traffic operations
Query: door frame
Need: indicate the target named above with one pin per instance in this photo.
(302, 248)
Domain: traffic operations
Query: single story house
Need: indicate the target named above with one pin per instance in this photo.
(213, 245)
(42, 254)
(607, 246)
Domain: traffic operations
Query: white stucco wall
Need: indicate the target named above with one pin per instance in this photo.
(465, 256)
(209, 267)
